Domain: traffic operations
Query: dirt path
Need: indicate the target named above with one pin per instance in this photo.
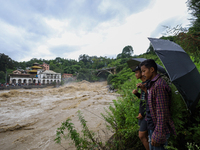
(29, 118)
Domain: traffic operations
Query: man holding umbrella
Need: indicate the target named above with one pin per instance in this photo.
(158, 116)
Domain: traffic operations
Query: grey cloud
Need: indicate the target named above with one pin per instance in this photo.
(60, 50)
(16, 46)
(21, 14)
(15, 53)
(28, 13)
(91, 16)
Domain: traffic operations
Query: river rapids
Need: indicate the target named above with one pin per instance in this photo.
(29, 117)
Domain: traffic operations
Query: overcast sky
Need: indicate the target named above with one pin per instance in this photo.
(68, 28)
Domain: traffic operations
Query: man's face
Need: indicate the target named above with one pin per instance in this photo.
(138, 74)
(147, 73)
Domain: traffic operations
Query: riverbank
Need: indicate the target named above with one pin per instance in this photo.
(24, 87)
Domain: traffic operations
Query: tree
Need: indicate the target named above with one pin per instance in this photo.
(2, 77)
(126, 52)
(5, 62)
(84, 58)
(150, 50)
(87, 74)
(52, 65)
(72, 69)
(84, 74)
(81, 64)
(194, 7)
(58, 70)
(119, 56)
(58, 60)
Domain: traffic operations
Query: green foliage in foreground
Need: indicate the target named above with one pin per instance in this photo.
(187, 125)
(122, 117)
(197, 64)
(85, 141)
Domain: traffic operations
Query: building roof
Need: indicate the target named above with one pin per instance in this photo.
(33, 71)
(36, 67)
(49, 72)
(16, 72)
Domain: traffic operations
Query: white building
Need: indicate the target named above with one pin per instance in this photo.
(43, 77)
(48, 76)
(23, 79)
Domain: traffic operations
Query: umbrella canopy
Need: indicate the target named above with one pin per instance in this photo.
(180, 68)
(134, 62)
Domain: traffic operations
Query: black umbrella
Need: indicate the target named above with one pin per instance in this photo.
(180, 68)
(134, 62)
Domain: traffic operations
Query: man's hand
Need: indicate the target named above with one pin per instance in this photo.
(142, 87)
(153, 143)
(135, 91)
(139, 116)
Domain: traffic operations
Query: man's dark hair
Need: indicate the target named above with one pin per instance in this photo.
(149, 63)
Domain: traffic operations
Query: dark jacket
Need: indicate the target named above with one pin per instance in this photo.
(142, 98)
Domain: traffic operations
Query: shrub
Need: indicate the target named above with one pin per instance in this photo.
(121, 117)
(120, 78)
(86, 141)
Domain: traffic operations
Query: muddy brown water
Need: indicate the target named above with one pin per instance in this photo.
(29, 118)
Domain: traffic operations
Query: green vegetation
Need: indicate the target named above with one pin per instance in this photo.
(84, 69)
(86, 141)
(6, 66)
(121, 116)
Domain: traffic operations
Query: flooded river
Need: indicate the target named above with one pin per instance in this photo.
(29, 118)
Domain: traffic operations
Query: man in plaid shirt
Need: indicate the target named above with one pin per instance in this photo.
(158, 116)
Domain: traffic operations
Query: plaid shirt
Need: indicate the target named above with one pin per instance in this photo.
(159, 103)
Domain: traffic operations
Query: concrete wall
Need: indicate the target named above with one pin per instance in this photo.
(20, 80)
